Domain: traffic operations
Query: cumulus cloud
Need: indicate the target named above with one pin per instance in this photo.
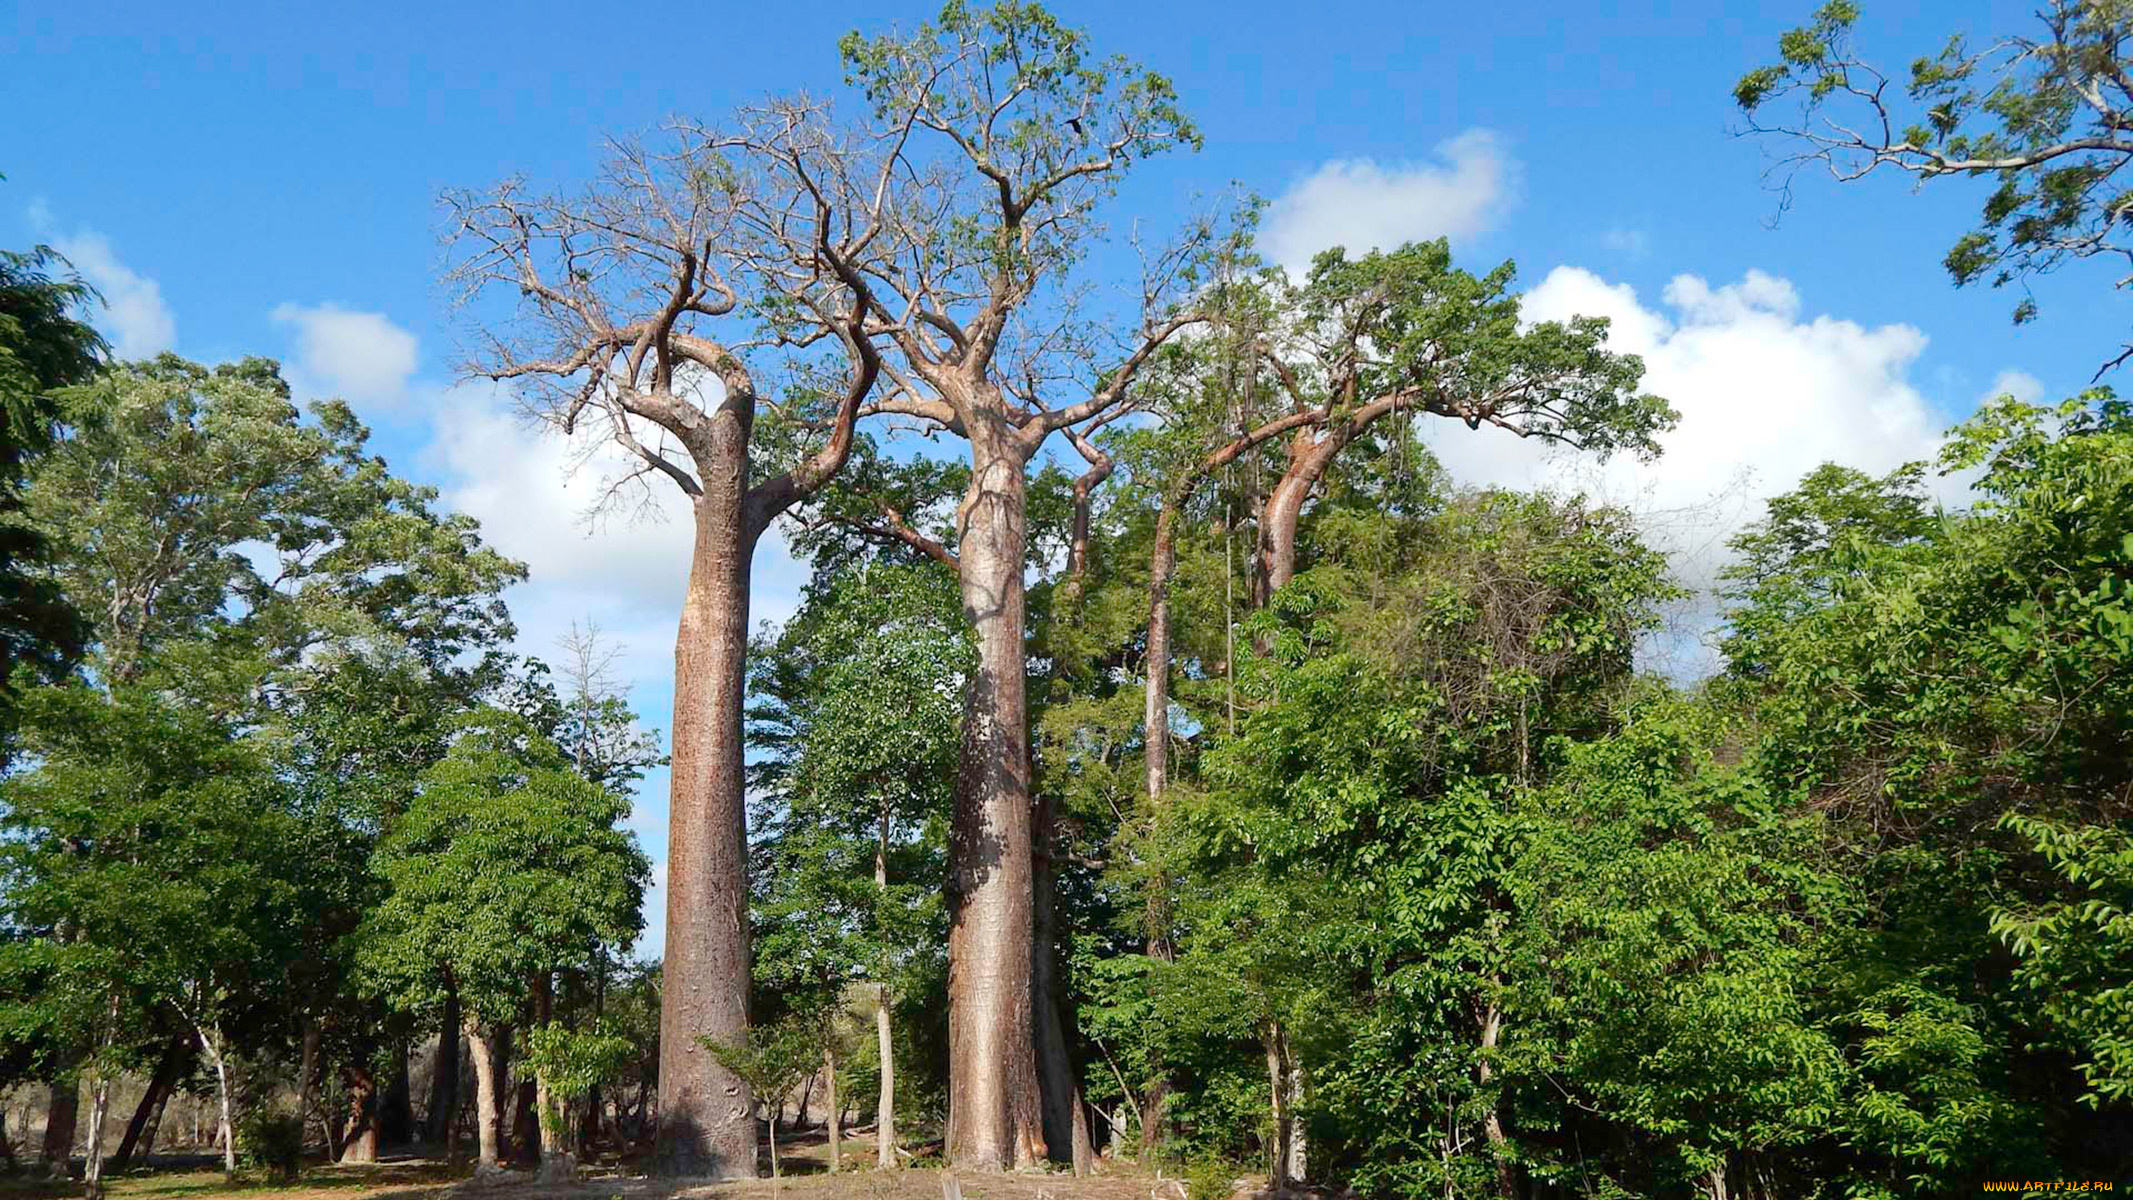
(1765, 394)
(134, 316)
(1362, 204)
(358, 356)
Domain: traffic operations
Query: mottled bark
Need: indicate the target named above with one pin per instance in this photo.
(487, 1117)
(1491, 1119)
(93, 1156)
(359, 1137)
(993, 1120)
(706, 1113)
(1277, 1073)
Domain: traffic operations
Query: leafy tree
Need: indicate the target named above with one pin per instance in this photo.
(44, 347)
(2043, 115)
(773, 1061)
(147, 849)
(857, 710)
(506, 868)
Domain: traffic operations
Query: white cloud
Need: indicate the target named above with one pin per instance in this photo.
(134, 316)
(2021, 385)
(1765, 395)
(358, 356)
(1362, 204)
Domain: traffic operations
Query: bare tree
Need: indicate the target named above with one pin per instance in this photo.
(660, 306)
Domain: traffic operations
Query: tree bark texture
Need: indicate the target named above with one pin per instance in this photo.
(706, 1113)
(359, 1138)
(993, 1120)
(486, 1115)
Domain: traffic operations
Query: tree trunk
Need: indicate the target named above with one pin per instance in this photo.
(706, 1114)
(155, 1126)
(885, 1105)
(396, 1110)
(1277, 1107)
(160, 1083)
(359, 1138)
(225, 1128)
(62, 1118)
(807, 1092)
(1066, 1131)
(486, 1116)
(1278, 519)
(526, 1122)
(829, 1100)
(993, 1121)
(307, 1083)
(1491, 1120)
(93, 1159)
(444, 1073)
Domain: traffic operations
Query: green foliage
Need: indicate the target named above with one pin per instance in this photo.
(44, 346)
(2041, 116)
(273, 1141)
(506, 864)
(772, 1061)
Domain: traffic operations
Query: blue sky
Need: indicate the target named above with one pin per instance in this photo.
(254, 179)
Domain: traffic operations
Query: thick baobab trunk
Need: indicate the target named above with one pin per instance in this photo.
(160, 1083)
(1066, 1130)
(62, 1117)
(706, 1114)
(487, 1118)
(359, 1138)
(444, 1073)
(993, 1121)
(885, 1104)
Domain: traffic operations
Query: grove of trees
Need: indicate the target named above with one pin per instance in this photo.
(1169, 759)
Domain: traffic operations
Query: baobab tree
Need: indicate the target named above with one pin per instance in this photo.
(1011, 137)
(639, 306)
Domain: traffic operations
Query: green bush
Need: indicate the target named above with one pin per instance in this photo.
(272, 1141)
(1210, 1179)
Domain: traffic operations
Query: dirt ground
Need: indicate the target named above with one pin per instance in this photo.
(804, 1165)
